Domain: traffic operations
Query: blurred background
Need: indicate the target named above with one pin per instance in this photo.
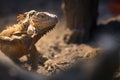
(14, 7)
(107, 8)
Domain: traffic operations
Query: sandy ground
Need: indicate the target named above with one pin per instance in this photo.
(59, 54)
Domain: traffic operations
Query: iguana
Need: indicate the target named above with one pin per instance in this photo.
(19, 39)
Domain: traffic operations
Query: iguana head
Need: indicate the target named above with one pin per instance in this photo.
(38, 21)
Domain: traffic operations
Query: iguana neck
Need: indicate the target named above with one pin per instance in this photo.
(41, 33)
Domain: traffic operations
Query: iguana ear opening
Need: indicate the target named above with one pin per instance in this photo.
(31, 30)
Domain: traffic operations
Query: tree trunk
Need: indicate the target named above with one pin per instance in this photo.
(80, 17)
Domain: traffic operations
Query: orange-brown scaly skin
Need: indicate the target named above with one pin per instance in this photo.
(20, 39)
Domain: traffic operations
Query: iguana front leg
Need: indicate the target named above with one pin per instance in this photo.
(34, 58)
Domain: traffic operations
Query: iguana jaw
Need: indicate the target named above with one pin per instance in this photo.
(44, 31)
(35, 38)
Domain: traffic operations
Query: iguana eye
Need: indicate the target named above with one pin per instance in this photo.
(42, 16)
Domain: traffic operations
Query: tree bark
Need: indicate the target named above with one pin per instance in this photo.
(80, 17)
